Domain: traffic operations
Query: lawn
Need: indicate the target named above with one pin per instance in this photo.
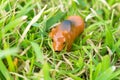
(26, 51)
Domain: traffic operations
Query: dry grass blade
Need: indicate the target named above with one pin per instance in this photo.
(30, 24)
(68, 62)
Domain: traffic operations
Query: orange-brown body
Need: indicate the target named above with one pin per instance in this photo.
(66, 32)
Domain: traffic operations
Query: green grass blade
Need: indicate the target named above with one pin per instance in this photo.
(117, 47)
(7, 52)
(106, 74)
(82, 3)
(4, 71)
(54, 19)
(14, 23)
(74, 77)
(109, 38)
(115, 74)
(10, 63)
(46, 72)
(94, 26)
(80, 63)
(29, 6)
(105, 63)
(38, 52)
(97, 71)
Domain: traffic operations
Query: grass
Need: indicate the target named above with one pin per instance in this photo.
(26, 51)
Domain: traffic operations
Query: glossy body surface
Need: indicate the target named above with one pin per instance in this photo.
(64, 34)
